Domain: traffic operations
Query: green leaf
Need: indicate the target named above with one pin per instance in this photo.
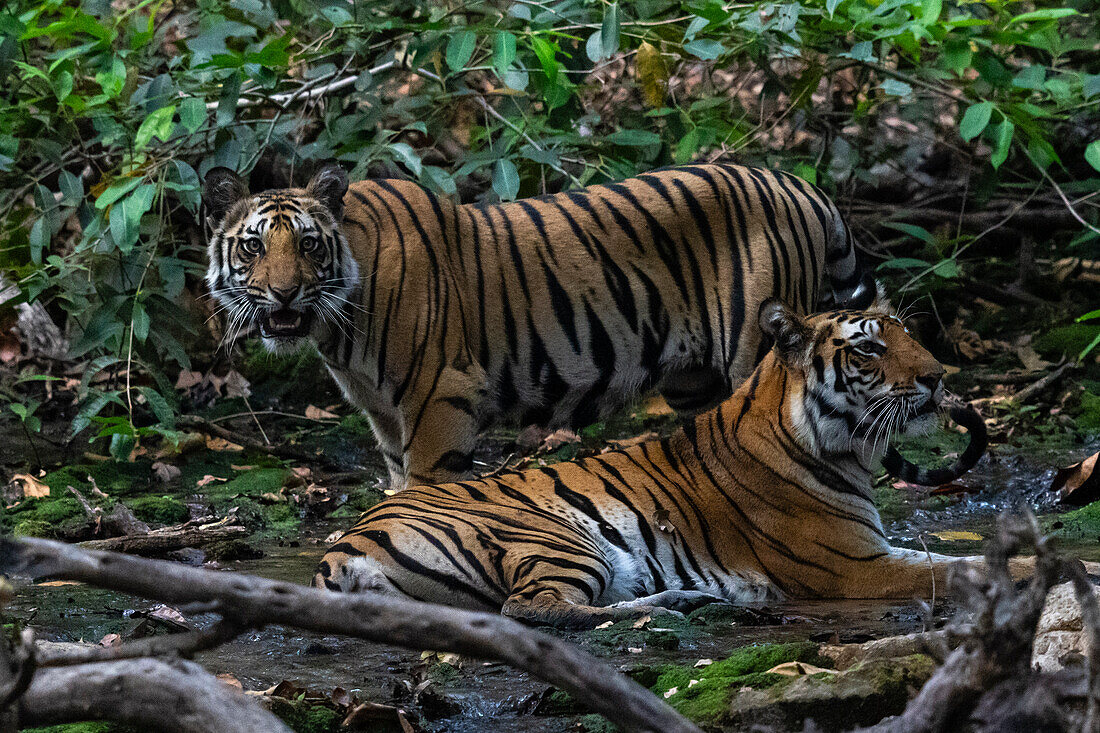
(1092, 154)
(139, 320)
(125, 218)
(1088, 316)
(72, 188)
(705, 48)
(113, 79)
(975, 119)
(904, 263)
(160, 407)
(917, 232)
(1044, 14)
(609, 30)
(408, 156)
(39, 239)
(115, 191)
(896, 88)
(946, 269)
(831, 6)
(227, 101)
(1002, 142)
(158, 124)
(192, 114)
(930, 11)
(635, 138)
(546, 56)
(460, 48)
(63, 85)
(505, 179)
(504, 52)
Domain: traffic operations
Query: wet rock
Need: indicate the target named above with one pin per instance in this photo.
(188, 556)
(1060, 638)
(862, 695)
(230, 550)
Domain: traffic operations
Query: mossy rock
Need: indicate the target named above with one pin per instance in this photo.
(1083, 523)
(305, 716)
(113, 478)
(704, 694)
(95, 726)
(1088, 422)
(1069, 340)
(664, 631)
(861, 695)
(159, 509)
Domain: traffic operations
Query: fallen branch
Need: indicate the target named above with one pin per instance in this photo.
(150, 694)
(1033, 389)
(256, 602)
(194, 422)
(167, 539)
(184, 645)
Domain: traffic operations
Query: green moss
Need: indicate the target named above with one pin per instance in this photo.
(89, 727)
(305, 716)
(708, 699)
(596, 724)
(159, 509)
(444, 673)
(1088, 421)
(1083, 523)
(663, 632)
(1067, 340)
(33, 528)
(251, 483)
(58, 510)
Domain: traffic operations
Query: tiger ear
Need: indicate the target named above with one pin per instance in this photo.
(328, 185)
(221, 189)
(791, 334)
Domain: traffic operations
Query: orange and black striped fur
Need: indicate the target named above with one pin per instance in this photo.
(767, 495)
(439, 319)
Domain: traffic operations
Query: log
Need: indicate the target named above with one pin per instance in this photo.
(149, 694)
(256, 602)
(163, 541)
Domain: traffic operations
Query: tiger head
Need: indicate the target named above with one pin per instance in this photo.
(864, 377)
(278, 259)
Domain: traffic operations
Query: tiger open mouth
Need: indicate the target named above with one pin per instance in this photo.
(285, 323)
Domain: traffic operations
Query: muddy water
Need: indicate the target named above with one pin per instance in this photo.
(493, 697)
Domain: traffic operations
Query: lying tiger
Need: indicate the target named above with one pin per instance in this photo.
(438, 319)
(768, 495)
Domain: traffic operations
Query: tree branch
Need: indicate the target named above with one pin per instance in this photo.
(252, 601)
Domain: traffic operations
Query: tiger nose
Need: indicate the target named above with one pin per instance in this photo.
(931, 381)
(285, 297)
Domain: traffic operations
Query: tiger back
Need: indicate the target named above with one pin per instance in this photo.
(442, 319)
(767, 496)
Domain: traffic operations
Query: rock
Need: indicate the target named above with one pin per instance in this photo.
(862, 695)
(1060, 637)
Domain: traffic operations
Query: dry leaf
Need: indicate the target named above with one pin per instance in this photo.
(55, 583)
(671, 691)
(111, 640)
(188, 379)
(652, 74)
(165, 473)
(797, 669)
(235, 467)
(956, 536)
(208, 479)
(162, 612)
(1028, 357)
(221, 444)
(704, 663)
(236, 385)
(273, 498)
(640, 623)
(29, 486)
(634, 649)
(605, 624)
(968, 344)
(1078, 484)
(557, 439)
(654, 407)
(317, 413)
(230, 680)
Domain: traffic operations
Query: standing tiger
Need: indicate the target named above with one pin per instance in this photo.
(767, 495)
(439, 319)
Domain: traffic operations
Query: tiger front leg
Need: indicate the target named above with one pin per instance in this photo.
(440, 436)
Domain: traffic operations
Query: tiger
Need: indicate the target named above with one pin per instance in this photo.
(440, 319)
(767, 496)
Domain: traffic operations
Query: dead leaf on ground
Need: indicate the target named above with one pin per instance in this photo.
(188, 379)
(967, 343)
(654, 406)
(557, 439)
(161, 612)
(56, 583)
(641, 623)
(1078, 484)
(797, 669)
(230, 680)
(704, 662)
(236, 385)
(111, 640)
(165, 473)
(30, 487)
(221, 444)
(1027, 356)
(952, 535)
(208, 479)
(317, 413)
